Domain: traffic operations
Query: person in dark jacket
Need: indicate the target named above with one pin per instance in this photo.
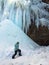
(17, 50)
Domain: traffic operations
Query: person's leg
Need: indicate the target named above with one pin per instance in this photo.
(19, 52)
(14, 54)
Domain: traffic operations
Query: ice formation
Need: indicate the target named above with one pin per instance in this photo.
(20, 12)
(39, 12)
(17, 11)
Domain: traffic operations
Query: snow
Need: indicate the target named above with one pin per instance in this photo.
(32, 54)
(10, 34)
(40, 57)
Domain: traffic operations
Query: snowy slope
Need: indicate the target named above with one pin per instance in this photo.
(9, 35)
(32, 53)
(38, 57)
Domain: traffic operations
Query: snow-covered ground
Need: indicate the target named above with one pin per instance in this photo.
(32, 54)
(9, 35)
(38, 57)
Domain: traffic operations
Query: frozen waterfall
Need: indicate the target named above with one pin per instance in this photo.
(18, 12)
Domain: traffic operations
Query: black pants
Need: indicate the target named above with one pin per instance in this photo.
(18, 50)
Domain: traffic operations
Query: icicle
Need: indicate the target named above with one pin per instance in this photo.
(28, 22)
(12, 13)
(1, 9)
(24, 19)
(35, 11)
(18, 12)
(18, 21)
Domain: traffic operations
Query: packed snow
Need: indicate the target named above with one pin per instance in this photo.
(10, 34)
(37, 57)
(32, 54)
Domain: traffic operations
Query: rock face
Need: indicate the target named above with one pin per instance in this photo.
(46, 1)
(39, 35)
